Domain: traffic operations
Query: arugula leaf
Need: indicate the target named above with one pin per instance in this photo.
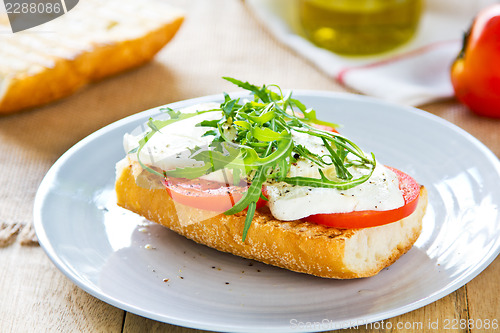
(254, 140)
(251, 195)
(208, 123)
(243, 124)
(260, 120)
(338, 162)
(327, 183)
(227, 107)
(188, 172)
(215, 158)
(261, 93)
(266, 134)
(248, 219)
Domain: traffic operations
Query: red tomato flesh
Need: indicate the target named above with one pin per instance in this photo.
(206, 194)
(370, 218)
(474, 75)
(218, 197)
(325, 128)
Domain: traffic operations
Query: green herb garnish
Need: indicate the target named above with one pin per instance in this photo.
(254, 139)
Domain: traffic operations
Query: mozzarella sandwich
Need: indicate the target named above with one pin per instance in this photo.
(265, 179)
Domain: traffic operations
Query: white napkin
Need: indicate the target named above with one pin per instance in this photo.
(414, 74)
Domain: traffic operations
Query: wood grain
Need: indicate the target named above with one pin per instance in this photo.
(424, 319)
(36, 297)
(134, 323)
(483, 298)
(55, 304)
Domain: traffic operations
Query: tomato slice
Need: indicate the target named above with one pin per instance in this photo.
(206, 194)
(371, 218)
(214, 196)
(326, 128)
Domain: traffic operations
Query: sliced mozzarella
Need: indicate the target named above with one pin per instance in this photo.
(169, 149)
(381, 192)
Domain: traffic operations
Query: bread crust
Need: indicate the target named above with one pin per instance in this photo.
(45, 84)
(295, 245)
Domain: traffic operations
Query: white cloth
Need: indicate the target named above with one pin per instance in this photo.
(414, 74)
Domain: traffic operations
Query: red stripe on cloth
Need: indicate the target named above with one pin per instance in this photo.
(423, 49)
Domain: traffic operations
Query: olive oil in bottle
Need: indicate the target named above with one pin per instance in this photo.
(359, 27)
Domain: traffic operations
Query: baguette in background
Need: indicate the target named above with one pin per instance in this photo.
(94, 40)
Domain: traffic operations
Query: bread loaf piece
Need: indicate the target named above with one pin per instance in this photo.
(94, 40)
(295, 245)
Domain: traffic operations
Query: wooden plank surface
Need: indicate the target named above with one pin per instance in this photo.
(483, 299)
(36, 297)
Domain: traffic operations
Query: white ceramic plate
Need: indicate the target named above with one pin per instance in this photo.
(102, 248)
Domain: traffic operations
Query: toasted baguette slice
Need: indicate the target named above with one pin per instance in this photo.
(94, 40)
(295, 245)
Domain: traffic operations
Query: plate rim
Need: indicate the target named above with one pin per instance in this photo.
(46, 182)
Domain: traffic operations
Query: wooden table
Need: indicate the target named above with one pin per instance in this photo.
(220, 37)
